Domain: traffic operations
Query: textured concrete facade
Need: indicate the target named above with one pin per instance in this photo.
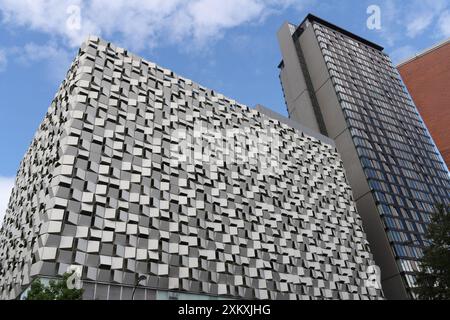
(427, 77)
(105, 186)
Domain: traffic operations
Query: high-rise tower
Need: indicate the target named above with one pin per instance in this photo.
(348, 89)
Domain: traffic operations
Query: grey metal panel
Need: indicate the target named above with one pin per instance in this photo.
(227, 228)
(294, 124)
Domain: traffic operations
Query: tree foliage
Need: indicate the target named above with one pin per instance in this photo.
(433, 279)
(56, 290)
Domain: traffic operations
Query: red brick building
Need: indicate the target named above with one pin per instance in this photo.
(427, 76)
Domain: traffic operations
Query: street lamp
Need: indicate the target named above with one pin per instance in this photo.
(136, 283)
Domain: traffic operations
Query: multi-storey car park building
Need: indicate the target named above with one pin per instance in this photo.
(128, 175)
(346, 88)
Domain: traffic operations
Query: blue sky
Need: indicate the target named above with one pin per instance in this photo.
(229, 46)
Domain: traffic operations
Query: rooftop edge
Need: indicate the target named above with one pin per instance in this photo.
(425, 52)
(293, 124)
(264, 110)
(311, 17)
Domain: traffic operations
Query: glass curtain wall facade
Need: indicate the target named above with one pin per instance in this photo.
(401, 164)
(399, 159)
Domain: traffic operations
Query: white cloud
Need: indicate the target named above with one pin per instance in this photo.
(3, 60)
(56, 57)
(402, 53)
(389, 18)
(6, 185)
(421, 14)
(419, 24)
(409, 18)
(444, 23)
(204, 19)
(138, 24)
(33, 52)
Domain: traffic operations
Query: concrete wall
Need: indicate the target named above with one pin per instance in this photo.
(296, 94)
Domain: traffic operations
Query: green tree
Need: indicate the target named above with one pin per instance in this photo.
(433, 279)
(56, 290)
